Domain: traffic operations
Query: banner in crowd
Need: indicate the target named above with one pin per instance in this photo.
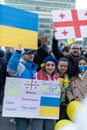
(17, 27)
(31, 98)
(70, 23)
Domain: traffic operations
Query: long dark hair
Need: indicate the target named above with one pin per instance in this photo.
(76, 70)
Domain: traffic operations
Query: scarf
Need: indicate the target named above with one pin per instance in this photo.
(82, 76)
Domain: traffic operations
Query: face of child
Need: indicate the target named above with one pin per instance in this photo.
(62, 67)
(50, 67)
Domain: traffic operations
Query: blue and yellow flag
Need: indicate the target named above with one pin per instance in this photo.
(49, 106)
(18, 27)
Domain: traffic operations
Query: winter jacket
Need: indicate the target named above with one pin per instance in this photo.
(18, 67)
(78, 88)
(39, 76)
(40, 54)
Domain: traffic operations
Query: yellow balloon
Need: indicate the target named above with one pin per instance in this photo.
(72, 108)
(62, 123)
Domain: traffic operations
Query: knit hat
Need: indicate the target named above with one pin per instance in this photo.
(50, 58)
(1, 53)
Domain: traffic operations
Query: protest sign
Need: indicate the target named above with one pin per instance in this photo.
(31, 98)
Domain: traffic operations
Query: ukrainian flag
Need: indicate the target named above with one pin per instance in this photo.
(18, 27)
(49, 107)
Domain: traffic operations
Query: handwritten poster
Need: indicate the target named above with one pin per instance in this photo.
(31, 98)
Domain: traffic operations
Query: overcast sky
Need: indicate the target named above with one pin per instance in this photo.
(81, 4)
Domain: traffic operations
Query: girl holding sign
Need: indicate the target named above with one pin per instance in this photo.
(48, 72)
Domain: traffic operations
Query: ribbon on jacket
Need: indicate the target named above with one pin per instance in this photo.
(65, 81)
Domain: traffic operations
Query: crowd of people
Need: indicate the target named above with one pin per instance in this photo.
(68, 65)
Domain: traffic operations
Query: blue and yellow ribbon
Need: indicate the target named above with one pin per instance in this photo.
(65, 81)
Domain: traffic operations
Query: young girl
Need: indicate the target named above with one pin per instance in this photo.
(48, 72)
(78, 83)
(64, 80)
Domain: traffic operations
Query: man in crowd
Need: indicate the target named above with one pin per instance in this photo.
(21, 65)
(74, 53)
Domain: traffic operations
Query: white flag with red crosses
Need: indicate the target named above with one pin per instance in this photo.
(70, 23)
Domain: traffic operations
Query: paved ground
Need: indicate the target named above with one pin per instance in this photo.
(5, 123)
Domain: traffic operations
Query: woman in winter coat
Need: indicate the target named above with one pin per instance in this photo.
(78, 83)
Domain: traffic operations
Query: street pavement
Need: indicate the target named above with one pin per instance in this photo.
(5, 123)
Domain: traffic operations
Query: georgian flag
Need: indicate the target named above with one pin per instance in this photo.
(70, 23)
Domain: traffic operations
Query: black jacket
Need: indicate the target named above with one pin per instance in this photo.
(40, 54)
(58, 54)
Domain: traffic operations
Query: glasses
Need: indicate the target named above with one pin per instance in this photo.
(75, 48)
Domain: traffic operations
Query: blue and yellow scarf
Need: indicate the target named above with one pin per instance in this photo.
(65, 81)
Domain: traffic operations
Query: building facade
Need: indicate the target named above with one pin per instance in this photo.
(44, 9)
